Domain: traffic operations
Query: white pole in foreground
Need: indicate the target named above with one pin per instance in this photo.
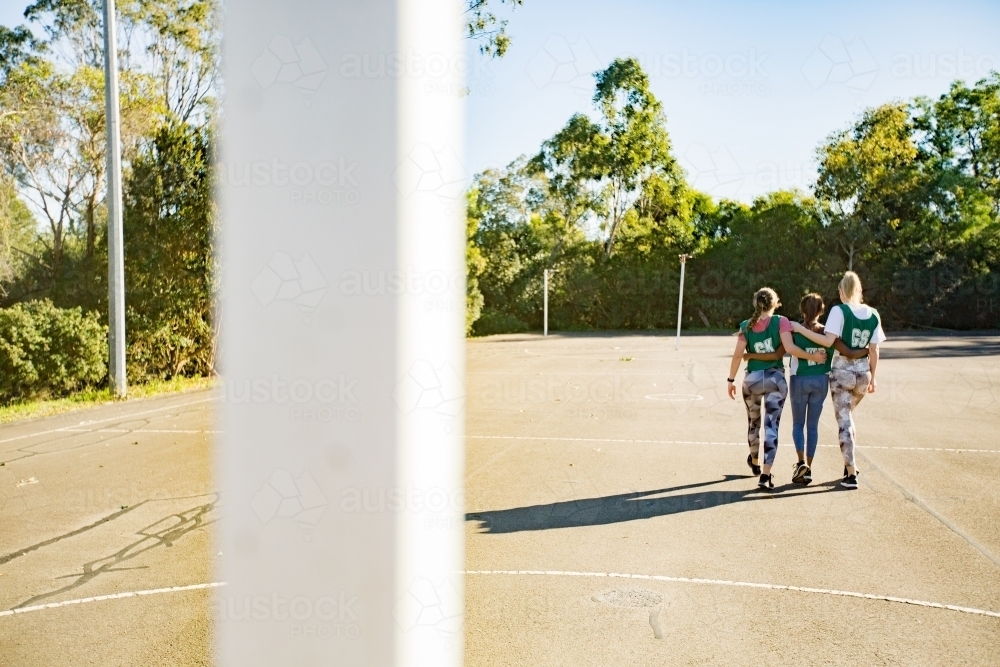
(545, 303)
(341, 583)
(680, 299)
(116, 255)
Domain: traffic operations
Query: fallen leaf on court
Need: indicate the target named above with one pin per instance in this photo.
(625, 359)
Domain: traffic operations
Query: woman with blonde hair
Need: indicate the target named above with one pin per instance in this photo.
(762, 337)
(852, 371)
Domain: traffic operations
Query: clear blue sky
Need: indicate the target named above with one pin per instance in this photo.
(749, 88)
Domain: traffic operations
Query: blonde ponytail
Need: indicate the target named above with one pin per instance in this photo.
(850, 287)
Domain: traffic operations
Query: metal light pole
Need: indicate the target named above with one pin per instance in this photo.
(545, 303)
(116, 255)
(680, 299)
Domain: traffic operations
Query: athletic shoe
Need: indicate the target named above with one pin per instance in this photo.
(754, 468)
(850, 482)
(807, 478)
(800, 472)
(766, 482)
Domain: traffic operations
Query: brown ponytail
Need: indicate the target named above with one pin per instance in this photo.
(763, 300)
(812, 307)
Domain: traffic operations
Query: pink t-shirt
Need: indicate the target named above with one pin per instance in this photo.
(783, 326)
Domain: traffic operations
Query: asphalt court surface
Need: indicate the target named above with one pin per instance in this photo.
(611, 517)
(102, 502)
(594, 457)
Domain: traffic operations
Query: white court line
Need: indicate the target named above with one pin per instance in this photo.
(709, 442)
(131, 430)
(108, 419)
(113, 596)
(744, 584)
(555, 573)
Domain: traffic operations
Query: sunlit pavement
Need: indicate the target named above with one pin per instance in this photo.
(592, 457)
(105, 502)
(611, 518)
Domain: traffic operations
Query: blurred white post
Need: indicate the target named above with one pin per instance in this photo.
(116, 253)
(545, 303)
(680, 299)
(341, 198)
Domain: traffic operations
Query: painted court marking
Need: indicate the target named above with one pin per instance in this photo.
(113, 596)
(675, 397)
(126, 417)
(554, 573)
(709, 442)
(133, 430)
(742, 584)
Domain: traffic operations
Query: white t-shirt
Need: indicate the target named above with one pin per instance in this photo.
(835, 321)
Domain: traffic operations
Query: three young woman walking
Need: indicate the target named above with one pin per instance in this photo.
(853, 329)
(765, 337)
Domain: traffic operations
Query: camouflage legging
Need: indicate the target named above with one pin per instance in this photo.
(767, 387)
(849, 381)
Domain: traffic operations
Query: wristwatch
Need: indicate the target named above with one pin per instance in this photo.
(731, 380)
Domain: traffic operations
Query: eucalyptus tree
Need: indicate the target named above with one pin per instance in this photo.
(483, 26)
(635, 146)
(871, 178)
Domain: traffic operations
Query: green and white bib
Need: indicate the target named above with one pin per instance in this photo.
(765, 342)
(857, 333)
(806, 367)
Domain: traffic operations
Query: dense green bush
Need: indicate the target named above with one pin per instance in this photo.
(49, 351)
(169, 260)
(907, 196)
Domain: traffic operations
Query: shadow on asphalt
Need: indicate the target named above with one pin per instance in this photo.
(164, 532)
(969, 348)
(630, 506)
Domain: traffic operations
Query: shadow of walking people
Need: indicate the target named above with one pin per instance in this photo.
(631, 506)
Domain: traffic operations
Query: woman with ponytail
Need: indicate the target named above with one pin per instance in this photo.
(764, 338)
(855, 329)
(809, 381)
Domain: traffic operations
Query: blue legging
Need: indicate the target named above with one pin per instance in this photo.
(807, 393)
